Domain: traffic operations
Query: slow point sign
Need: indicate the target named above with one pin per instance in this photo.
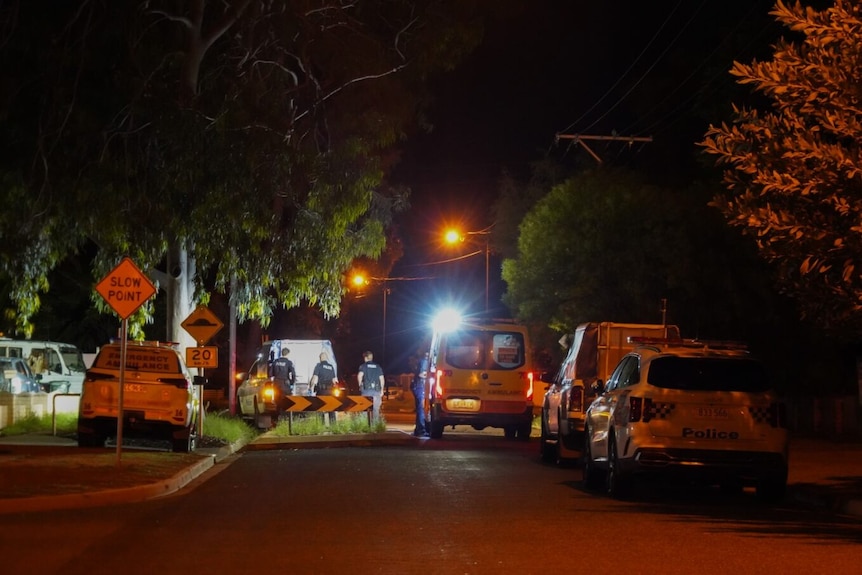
(125, 288)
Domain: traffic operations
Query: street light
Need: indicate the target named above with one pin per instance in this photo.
(453, 236)
(360, 280)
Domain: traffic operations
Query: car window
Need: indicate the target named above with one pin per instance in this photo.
(615, 376)
(507, 350)
(630, 373)
(465, 350)
(708, 374)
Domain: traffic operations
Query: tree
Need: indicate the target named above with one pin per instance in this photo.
(793, 171)
(237, 146)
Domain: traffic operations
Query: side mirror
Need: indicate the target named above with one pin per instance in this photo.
(598, 387)
(199, 380)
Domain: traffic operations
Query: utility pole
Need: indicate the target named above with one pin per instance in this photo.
(580, 139)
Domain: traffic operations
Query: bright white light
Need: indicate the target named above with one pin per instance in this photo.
(447, 320)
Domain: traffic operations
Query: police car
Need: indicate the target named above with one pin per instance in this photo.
(695, 410)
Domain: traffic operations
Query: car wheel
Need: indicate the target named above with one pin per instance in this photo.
(523, 431)
(771, 488)
(731, 486)
(185, 440)
(546, 449)
(436, 430)
(618, 483)
(509, 431)
(261, 421)
(90, 440)
(591, 474)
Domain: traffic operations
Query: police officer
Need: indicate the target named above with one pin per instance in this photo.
(371, 382)
(283, 372)
(417, 386)
(323, 380)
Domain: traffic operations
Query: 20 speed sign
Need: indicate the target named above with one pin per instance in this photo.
(202, 356)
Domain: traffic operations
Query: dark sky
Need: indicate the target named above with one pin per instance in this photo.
(657, 68)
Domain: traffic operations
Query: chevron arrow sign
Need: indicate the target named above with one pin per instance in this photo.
(297, 403)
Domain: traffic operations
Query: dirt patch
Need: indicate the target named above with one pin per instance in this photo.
(31, 471)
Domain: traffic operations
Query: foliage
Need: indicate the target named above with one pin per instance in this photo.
(607, 246)
(602, 246)
(793, 171)
(244, 144)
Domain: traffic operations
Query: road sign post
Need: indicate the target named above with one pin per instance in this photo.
(202, 324)
(125, 288)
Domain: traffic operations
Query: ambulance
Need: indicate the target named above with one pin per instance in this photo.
(480, 375)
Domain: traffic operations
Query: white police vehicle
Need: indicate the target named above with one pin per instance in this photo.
(696, 410)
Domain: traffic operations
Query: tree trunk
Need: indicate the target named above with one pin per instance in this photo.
(179, 288)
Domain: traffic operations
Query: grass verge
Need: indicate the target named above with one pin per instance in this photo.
(313, 424)
(216, 425)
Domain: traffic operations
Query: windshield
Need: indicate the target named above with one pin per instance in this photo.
(708, 374)
(73, 358)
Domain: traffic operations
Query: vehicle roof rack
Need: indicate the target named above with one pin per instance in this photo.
(717, 344)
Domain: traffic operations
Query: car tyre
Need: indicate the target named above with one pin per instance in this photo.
(618, 484)
(187, 443)
(546, 448)
(90, 440)
(524, 430)
(510, 431)
(771, 488)
(436, 429)
(592, 476)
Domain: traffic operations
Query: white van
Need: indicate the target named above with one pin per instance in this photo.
(258, 396)
(481, 375)
(58, 366)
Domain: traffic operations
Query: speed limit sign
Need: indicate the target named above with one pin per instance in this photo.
(202, 356)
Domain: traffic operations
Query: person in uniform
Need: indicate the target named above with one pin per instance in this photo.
(283, 372)
(371, 382)
(323, 380)
(417, 386)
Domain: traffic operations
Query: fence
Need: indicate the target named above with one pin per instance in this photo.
(18, 406)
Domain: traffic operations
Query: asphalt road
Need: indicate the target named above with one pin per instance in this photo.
(469, 503)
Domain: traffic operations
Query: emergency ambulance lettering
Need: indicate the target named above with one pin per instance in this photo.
(708, 433)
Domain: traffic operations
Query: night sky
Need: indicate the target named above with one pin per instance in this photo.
(656, 69)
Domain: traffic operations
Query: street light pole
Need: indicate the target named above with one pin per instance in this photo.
(487, 267)
(452, 236)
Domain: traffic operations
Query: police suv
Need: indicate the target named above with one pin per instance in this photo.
(695, 410)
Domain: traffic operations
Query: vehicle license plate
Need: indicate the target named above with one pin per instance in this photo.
(462, 404)
(134, 388)
(710, 412)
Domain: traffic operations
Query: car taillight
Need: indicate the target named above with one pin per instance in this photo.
(438, 385)
(576, 399)
(635, 408)
(529, 376)
(269, 393)
(778, 415)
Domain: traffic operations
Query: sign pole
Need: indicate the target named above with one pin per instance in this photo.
(123, 340)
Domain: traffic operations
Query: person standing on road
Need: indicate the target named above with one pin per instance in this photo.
(283, 372)
(371, 382)
(323, 380)
(417, 386)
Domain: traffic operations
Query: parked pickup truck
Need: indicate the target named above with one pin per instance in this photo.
(594, 352)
